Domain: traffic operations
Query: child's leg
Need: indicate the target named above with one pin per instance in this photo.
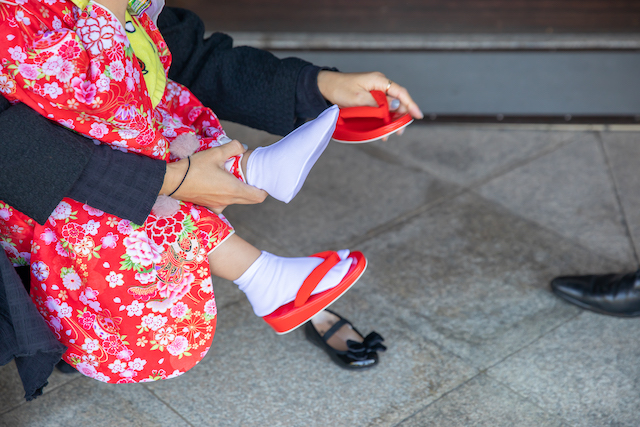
(281, 168)
(270, 281)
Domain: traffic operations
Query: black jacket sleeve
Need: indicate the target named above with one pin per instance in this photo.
(42, 162)
(242, 84)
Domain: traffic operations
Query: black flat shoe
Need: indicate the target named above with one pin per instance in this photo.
(611, 294)
(65, 368)
(342, 342)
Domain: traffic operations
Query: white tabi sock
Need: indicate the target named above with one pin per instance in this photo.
(272, 281)
(281, 168)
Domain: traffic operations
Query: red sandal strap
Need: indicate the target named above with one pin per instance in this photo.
(310, 283)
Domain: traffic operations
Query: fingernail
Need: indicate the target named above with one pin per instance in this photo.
(246, 147)
(395, 103)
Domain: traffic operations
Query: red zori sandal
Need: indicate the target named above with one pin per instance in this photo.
(357, 125)
(296, 313)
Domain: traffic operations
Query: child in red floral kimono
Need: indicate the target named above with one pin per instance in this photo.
(135, 302)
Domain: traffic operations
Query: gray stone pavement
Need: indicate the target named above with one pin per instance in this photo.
(463, 226)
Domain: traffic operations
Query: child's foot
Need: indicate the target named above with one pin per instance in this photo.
(273, 281)
(281, 168)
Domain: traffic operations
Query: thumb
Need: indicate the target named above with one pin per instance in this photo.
(231, 149)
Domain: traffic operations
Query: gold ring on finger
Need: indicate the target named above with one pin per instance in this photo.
(388, 86)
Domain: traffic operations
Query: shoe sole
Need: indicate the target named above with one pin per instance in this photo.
(280, 329)
(591, 308)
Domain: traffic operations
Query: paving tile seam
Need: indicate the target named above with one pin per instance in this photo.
(408, 216)
(46, 392)
(616, 192)
(171, 408)
(528, 400)
(442, 396)
(534, 223)
(508, 168)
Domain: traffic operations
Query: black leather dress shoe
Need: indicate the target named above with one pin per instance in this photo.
(612, 294)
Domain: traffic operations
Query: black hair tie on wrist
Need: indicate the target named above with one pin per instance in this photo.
(183, 178)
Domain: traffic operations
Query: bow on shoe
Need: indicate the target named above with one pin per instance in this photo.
(360, 350)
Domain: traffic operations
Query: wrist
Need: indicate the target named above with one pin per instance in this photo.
(326, 80)
(174, 176)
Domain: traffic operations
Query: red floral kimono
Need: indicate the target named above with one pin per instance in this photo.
(133, 303)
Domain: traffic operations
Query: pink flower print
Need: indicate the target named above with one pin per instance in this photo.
(146, 137)
(72, 281)
(135, 309)
(112, 345)
(91, 227)
(207, 285)
(55, 324)
(124, 354)
(210, 308)
(128, 373)
(157, 322)
(7, 84)
(52, 89)
(60, 250)
(90, 359)
(40, 270)
(179, 310)
(117, 366)
(73, 233)
(85, 91)
(178, 346)
(137, 364)
(164, 336)
(86, 369)
(141, 249)
(184, 97)
(124, 227)
(5, 214)
(125, 381)
(28, 71)
(110, 240)
(175, 291)
(62, 211)
(64, 310)
(87, 320)
(114, 279)
(84, 247)
(52, 304)
(115, 53)
(88, 297)
(21, 17)
(90, 345)
(97, 33)
(131, 84)
(101, 377)
(17, 54)
(51, 66)
(48, 236)
(127, 108)
(146, 278)
(94, 68)
(68, 123)
(116, 69)
(69, 50)
(92, 211)
(103, 84)
(98, 130)
(66, 71)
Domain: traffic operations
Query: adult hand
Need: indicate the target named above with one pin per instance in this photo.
(208, 183)
(352, 90)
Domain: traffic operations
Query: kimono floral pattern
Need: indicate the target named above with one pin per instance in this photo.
(133, 303)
